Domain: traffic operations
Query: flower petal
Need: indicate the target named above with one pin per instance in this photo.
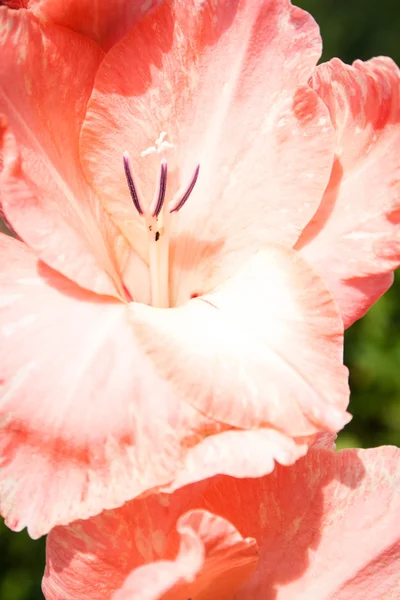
(263, 349)
(325, 440)
(233, 453)
(15, 4)
(105, 21)
(326, 527)
(212, 553)
(96, 555)
(354, 239)
(92, 558)
(222, 85)
(85, 422)
(195, 547)
(44, 194)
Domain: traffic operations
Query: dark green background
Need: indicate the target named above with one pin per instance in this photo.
(350, 29)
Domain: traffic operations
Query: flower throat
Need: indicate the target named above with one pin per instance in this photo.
(157, 218)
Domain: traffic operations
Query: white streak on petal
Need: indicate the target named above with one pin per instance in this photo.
(10, 328)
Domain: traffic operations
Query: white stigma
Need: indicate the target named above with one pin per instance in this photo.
(160, 144)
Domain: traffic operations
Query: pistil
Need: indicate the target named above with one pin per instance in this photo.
(158, 218)
(158, 235)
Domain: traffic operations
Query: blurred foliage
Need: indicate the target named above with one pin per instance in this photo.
(21, 566)
(372, 353)
(357, 29)
(350, 30)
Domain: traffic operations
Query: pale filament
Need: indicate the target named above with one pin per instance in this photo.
(157, 218)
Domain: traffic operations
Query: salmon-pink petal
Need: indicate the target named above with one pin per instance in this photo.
(56, 239)
(15, 4)
(212, 554)
(93, 559)
(263, 349)
(233, 453)
(105, 21)
(326, 527)
(354, 239)
(222, 85)
(44, 194)
(325, 440)
(85, 422)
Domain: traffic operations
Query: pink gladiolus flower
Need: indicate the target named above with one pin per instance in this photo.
(144, 335)
(105, 21)
(325, 528)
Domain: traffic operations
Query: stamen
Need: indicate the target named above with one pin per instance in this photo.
(162, 187)
(177, 203)
(131, 184)
(157, 220)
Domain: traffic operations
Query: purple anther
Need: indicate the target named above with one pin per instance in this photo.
(186, 195)
(161, 189)
(131, 184)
